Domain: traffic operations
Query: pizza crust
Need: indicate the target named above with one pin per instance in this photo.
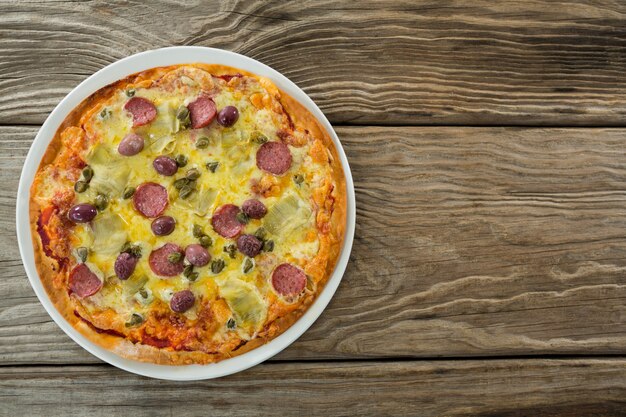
(54, 276)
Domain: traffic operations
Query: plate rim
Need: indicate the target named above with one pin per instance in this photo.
(140, 62)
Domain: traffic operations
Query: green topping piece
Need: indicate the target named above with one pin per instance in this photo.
(247, 265)
(81, 186)
(185, 192)
(101, 202)
(286, 215)
(212, 166)
(260, 233)
(231, 324)
(143, 293)
(88, 173)
(134, 250)
(135, 320)
(130, 92)
(242, 218)
(181, 160)
(206, 241)
(298, 179)
(268, 245)
(180, 183)
(182, 114)
(202, 142)
(197, 231)
(174, 257)
(82, 253)
(188, 270)
(231, 250)
(105, 113)
(258, 137)
(192, 174)
(217, 265)
(128, 192)
(193, 276)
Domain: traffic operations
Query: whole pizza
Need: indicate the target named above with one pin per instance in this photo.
(187, 214)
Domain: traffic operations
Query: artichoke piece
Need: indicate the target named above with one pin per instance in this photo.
(287, 214)
(110, 173)
(109, 234)
(246, 303)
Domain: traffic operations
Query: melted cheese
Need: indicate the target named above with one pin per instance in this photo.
(245, 293)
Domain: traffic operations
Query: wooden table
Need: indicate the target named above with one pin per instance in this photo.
(487, 143)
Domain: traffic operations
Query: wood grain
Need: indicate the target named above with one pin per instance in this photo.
(509, 388)
(469, 242)
(366, 62)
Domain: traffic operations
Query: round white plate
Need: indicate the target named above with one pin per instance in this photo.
(115, 72)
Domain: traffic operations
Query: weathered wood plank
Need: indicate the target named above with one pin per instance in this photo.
(469, 242)
(367, 62)
(580, 387)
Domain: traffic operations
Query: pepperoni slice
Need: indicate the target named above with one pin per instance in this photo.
(274, 157)
(150, 199)
(142, 109)
(161, 265)
(288, 279)
(83, 282)
(202, 111)
(224, 221)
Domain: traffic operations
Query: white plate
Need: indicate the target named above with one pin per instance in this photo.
(119, 70)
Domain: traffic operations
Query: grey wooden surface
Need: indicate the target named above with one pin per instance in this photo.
(488, 269)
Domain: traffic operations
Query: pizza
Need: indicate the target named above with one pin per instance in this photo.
(187, 214)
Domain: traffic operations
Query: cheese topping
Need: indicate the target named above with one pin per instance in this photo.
(290, 221)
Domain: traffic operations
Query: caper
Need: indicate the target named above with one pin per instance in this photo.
(260, 233)
(182, 113)
(231, 324)
(217, 265)
(80, 186)
(101, 202)
(242, 218)
(258, 137)
(268, 245)
(247, 265)
(197, 231)
(212, 166)
(130, 92)
(185, 192)
(88, 173)
(135, 320)
(128, 192)
(231, 250)
(82, 253)
(192, 174)
(189, 273)
(188, 270)
(105, 113)
(298, 179)
(202, 142)
(134, 250)
(174, 257)
(206, 241)
(181, 160)
(143, 293)
(180, 183)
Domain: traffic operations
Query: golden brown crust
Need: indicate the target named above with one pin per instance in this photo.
(53, 274)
